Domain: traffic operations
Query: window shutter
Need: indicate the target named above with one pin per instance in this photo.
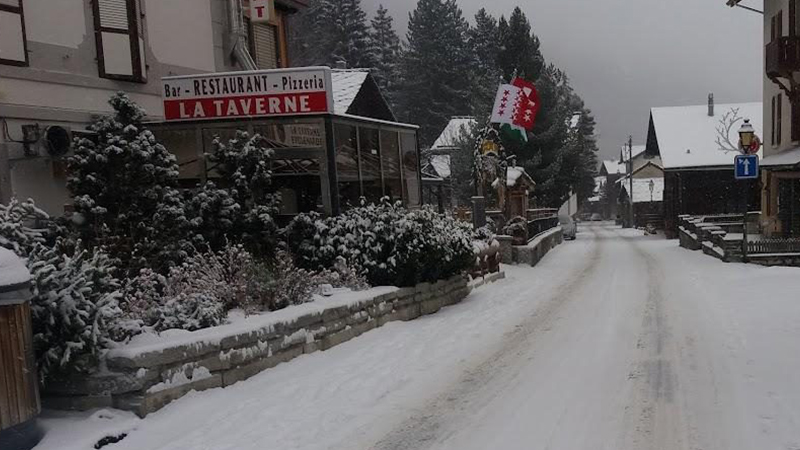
(120, 43)
(13, 45)
(772, 128)
(265, 46)
(792, 17)
(779, 25)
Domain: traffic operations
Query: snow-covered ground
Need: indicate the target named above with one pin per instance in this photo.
(615, 341)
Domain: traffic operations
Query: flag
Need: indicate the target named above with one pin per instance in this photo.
(515, 107)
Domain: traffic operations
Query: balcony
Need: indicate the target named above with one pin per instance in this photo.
(783, 57)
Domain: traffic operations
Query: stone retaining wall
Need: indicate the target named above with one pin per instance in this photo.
(145, 382)
(532, 253)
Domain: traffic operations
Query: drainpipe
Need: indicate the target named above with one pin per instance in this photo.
(238, 36)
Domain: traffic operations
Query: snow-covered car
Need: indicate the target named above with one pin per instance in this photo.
(596, 217)
(569, 227)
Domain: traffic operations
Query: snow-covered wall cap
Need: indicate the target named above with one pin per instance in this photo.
(13, 272)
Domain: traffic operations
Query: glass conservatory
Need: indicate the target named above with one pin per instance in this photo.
(325, 161)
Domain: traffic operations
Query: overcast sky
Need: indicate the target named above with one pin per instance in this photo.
(626, 56)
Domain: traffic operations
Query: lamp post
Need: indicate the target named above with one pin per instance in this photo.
(652, 188)
(748, 143)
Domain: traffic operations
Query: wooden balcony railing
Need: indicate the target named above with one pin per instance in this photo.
(783, 57)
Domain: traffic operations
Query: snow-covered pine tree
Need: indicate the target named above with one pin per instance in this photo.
(350, 33)
(124, 188)
(18, 226)
(384, 46)
(436, 68)
(341, 33)
(75, 307)
(519, 48)
(243, 164)
(484, 40)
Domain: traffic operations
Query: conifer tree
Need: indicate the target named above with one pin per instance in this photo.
(124, 191)
(384, 46)
(436, 68)
(340, 34)
(484, 40)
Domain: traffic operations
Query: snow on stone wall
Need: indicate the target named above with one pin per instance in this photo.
(148, 374)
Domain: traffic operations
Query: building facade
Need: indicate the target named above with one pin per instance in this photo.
(698, 161)
(60, 61)
(780, 211)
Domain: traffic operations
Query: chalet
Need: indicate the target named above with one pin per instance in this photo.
(647, 198)
(437, 164)
(697, 159)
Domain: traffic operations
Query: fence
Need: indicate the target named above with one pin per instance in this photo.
(539, 226)
(776, 246)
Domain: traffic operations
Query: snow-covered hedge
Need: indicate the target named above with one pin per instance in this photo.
(388, 244)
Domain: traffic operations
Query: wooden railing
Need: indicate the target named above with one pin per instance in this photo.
(777, 246)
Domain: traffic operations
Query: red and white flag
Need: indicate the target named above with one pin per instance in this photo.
(517, 105)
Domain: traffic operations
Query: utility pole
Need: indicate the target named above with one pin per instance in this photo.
(630, 179)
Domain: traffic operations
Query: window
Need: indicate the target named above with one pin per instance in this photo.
(264, 45)
(13, 45)
(392, 176)
(793, 17)
(776, 29)
(120, 40)
(779, 119)
(411, 175)
(371, 173)
(772, 122)
(347, 166)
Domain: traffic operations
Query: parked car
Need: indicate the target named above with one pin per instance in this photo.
(596, 217)
(569, 227)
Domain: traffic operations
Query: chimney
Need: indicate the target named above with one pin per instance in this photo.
(711, 105)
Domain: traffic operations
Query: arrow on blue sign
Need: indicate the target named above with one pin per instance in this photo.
(746, 167)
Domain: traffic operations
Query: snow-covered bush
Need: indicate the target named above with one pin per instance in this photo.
(243, 166)
(518, 229)
(19, 228)
(385, 243)
(290, 285)
(124, 187)
(74, 306)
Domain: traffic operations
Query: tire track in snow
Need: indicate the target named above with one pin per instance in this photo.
(432, 423)
(655, 417)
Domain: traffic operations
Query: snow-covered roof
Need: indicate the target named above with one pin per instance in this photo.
(12, 269)
(453, 131)
(346, 86)
(613, 167)
(441, 164)
(637, 150)
(641, 189)
(687, 135)
(594, 199)
(515, 174)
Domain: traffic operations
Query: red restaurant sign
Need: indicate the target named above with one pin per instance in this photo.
(261, 93)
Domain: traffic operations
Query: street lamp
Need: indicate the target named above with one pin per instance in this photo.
(747, 136)
(652, 188)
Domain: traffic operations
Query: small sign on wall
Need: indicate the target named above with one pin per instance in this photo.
(261, 10)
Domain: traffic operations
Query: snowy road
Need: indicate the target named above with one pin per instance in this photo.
(615, 341)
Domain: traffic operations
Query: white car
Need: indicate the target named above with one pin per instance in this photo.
(569, 228)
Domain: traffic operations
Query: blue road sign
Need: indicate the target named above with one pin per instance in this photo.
(746, 167)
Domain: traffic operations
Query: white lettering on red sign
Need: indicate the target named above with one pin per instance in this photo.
(248, 94)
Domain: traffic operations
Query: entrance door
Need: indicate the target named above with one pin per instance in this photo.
(789, 206)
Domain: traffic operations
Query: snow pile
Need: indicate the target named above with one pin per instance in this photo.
(12, 269)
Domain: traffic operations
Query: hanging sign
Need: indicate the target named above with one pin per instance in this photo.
(260, 93)
(261, 10)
